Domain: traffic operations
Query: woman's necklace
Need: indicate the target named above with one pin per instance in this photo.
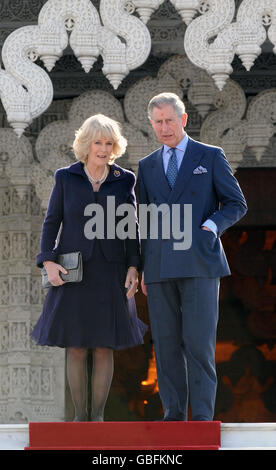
(94, 181)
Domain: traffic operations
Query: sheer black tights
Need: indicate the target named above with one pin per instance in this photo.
(102, 374)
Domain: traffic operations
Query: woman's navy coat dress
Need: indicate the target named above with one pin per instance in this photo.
(94, 312)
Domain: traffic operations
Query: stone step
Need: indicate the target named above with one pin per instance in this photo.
(234, 436)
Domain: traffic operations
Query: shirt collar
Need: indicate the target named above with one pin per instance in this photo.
(181, 146)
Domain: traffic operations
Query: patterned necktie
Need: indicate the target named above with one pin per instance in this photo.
(172, 169)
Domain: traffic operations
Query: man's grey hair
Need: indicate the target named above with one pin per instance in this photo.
(164, 99)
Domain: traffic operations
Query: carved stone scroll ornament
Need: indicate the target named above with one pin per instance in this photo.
(187, 9)
(255, 22)
(145, 8)
(212, 40)
(236, 130)
(116, 18)
(195, 83)
(215, 60)
(224, 127)
(26, 90)
(89, 38)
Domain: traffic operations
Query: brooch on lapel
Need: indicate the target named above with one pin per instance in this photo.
(199, 170)
(117, 173)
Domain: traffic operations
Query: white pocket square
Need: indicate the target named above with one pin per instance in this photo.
(199, 170)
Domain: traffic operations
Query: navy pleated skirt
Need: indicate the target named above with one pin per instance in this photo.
(92, 313)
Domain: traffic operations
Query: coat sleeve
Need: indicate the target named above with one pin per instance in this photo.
(232, 202)
(52, 223)
(133, 244)
(142, 199)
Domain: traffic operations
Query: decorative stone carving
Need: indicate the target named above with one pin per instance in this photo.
(25, 10)
(235, 131)
(31, 377)
(211, 42)
(243, 37)
(214, 58)
(231, 106)
(252, 19)
(144, 8)
(187, 8)
(17, 160)
(26, 90)
(136, 35)
(261, 118)
(194, 82)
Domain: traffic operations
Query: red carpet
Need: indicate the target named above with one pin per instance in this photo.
(139, 435)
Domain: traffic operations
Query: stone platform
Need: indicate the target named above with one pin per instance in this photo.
(234, 436)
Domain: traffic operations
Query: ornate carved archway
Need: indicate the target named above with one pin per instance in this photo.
(211, 41)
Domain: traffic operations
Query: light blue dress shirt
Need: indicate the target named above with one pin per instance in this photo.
(180, 150)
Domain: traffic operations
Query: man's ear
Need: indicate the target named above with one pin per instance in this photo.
(184, 119)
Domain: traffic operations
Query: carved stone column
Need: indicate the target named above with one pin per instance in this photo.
(31, 377)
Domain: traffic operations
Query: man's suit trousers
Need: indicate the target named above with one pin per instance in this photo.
(184, 315)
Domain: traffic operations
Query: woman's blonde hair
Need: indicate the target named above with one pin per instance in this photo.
(93, 128)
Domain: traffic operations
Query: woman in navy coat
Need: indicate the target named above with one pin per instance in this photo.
(98, 313)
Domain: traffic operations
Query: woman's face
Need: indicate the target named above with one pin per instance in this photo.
(100, 151)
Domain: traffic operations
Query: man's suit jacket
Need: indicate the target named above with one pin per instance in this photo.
(214, 194)
(71, 194)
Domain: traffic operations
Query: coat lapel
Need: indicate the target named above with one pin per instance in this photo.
(77, 169)
(116, 173)
(159, 176)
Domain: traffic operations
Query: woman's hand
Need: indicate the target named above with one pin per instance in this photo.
(143, 286)
(53, 269)
(131, 282)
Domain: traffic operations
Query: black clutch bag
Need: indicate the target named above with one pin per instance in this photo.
(72, 262)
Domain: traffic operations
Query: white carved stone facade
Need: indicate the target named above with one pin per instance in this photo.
(124, 43)
(32, 379)
(242, 37)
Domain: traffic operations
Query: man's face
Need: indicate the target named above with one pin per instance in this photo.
(168, 126)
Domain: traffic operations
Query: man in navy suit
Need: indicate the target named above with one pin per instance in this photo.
(182, 285)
